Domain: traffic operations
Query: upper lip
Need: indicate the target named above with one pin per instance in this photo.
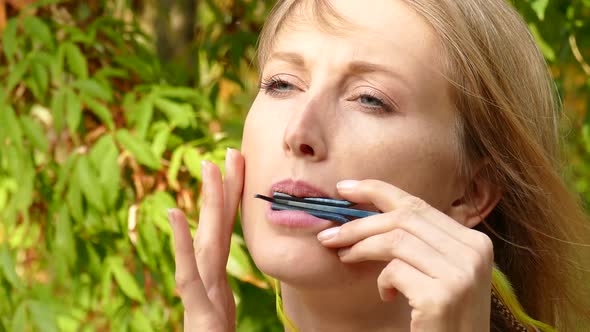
(298, 188)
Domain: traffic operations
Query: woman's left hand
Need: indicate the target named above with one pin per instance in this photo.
(441, 266)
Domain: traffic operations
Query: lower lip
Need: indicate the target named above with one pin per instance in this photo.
(294, 219)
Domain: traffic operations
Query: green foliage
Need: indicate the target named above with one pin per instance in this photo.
(101, 132)
(97, 140)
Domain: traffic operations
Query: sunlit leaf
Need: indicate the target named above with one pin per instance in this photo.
(192, 160)
(540, 6)
(160, 140)
(240, 266)
(174, 167)
(138, 148)
(140, 322)
(548, 52)
(179, 114)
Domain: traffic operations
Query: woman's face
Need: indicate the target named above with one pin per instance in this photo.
(368, 102)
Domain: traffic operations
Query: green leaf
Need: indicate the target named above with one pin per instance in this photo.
(8, 267)
(16, 74)
(160, 141)
(192, 160)
(34, 133)
(10, 127)
(64, 236)
(540, 6)
(140, 322)
(175, 163)
(19, 320)
(104, 157)
(89, 184)
(547, 51)
(125, 280)
(58, 109)
(73, 110)
(179, 114)
(94, 89)
(41, 76)
(144, 112)
(9, 39)
(43, 316)
(75, 60)
(239, 265)
(38, 30)
(101, 111)
(138, 148)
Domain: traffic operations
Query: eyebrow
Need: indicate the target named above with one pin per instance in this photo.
(354, 67)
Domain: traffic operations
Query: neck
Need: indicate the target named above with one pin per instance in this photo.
(344, 309)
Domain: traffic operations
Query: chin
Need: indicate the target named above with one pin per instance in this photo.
(297, 260)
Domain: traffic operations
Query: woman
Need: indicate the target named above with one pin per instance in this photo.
(441, 115)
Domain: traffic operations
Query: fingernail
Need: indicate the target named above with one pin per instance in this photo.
(171, 217)
(328, 233)
(228, 153)
(347, 184)
(343, 252)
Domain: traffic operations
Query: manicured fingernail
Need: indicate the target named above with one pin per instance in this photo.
(343, 252)
(328, 233)
(347, 184)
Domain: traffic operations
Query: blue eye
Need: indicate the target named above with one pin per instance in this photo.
(276, 86)
(371, 101)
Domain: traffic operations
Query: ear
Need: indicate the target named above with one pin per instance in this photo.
(477, 201)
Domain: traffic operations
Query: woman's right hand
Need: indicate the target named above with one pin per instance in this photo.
(200, 275)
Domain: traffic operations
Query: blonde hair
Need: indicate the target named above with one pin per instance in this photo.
(508, 114)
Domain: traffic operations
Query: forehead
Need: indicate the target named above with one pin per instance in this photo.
(382, 31)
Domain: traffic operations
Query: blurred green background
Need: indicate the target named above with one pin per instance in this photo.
(106, 110)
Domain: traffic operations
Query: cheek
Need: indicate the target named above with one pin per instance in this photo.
(418, 159)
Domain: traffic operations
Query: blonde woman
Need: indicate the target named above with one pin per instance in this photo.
(438, 113)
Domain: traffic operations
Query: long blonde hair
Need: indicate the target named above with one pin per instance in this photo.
(509, 115)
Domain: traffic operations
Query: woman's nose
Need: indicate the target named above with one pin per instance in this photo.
(304, 135)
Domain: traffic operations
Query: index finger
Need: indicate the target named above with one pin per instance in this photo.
(188, 281)
(387, 197)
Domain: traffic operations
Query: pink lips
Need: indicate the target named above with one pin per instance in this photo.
(295, 219)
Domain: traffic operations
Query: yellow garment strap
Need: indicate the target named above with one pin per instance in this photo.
(505, 293)
(500, 286)
(287, 323)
